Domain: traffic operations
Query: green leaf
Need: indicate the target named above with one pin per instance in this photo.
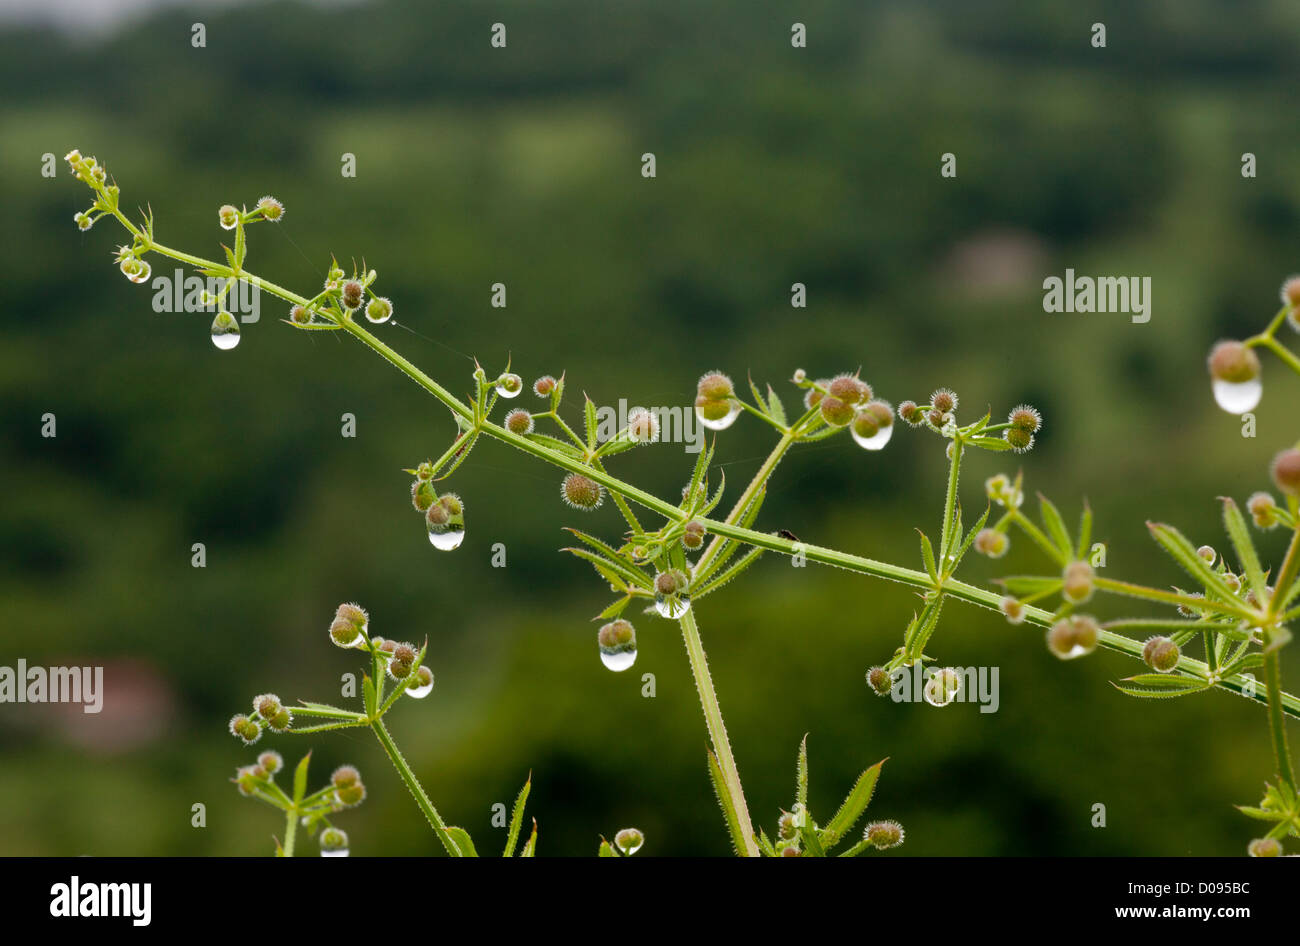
(300, 778)
(530, 849)
(1235, 525)
(592, 424)
(1085, 532)
(1184, 553)
(758, 398)
(775, 408)
(765, 843)
(606, 849)
(702, 461)
(1055, 525)
(996, 444)
(729, 814)
(615, 572)
(970, 538)
(517, 817)
(854, 805)
(1024, 585)
(801, 775)
(927, 555)
(615, 609)
(1161, 694)
(812, 845)
(460, 837)
(1260, 814)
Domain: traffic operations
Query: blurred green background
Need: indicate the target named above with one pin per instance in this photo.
(522, 165)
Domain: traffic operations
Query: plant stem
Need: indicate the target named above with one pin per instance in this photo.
(717, 728)
(413, 786)
(290, 831)
(1276, 719)
(760, 478)
(949, 501)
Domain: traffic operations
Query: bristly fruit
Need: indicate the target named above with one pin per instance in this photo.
(519, 422)
(582, 492)
(880, 681)
(1073, 637)
(1160, 654)
(1286, 472)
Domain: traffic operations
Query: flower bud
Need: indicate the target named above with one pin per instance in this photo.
(84, 220)
(1077, 582)
(344, 776)
(799, 376)
(1291, 291)
(1018, 439)
(1073, 637)
(835, 412)
(352, 293)
(642, 425)
(544, 385)
(814, 396)
(944, 401)
(785, 827)
(246, 779)
(519, 422)
(353, 614)
(1160, 654)
(1013, 609)
(379, 310)
(715, 386)
(911, 413)
(1286, 472)
(423, 495)
(1025, 418)
(1263, 508)
(245, 729)
(883, 834)
(992, 543)
(228, 216)
(850, 389)
(299, 315)
(1233, 362)
(880, 681)
(349, 796)
(333, 843)
(1264, 847)
(267, 705)
(582, 492)
(629, 841)
(693, 537)
(271, 208)
(790, 851)
(270, 761)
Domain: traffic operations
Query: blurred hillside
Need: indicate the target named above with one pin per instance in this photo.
(522, 165)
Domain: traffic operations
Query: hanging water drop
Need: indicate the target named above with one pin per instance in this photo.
(672, 606)
(943, 687)
(225, 331)
(1238, 398)
(333, 843)
(510, 385)
(445, 520)
(617, 642)
(422, 685)
(448, 540)
(717, 414)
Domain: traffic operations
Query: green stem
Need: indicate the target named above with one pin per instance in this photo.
(1035, 533)
(290, 831)
(760, 478)
(1273, 345)
(413, 786)
(1276, 718)
(949, 501)
(717, 728)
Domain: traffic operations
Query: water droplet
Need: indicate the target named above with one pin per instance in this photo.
(341, 852)
(420, 690)
(876, 441)
(449, 539)
(723, 422)
(672, 606)
(942, 687)
(225, 331)
(510, 385)
(1238, 398)
(618, 660)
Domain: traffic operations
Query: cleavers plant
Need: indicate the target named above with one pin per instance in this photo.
(675, 553)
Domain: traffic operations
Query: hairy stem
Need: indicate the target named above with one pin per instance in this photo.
(413, 786)
(1276, 719)
(290, 831)
(717, 728)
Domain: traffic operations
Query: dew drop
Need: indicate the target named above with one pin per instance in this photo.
(449, 539)
(876, 441)
(672, 606)
(510, 385)
(942, 687)
(341, 852)
(225, 331)
(419, 692)
(618, 660)
(723, 422)
(1238, 398)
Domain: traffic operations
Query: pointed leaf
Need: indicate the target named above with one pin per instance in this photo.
(300, 778)
(775, 408)
(517, 817)
(1235, 525)
(460, 837)
(729, 814)
(1055, 525)
(530, 849)
(854, 805)
(801, 775)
